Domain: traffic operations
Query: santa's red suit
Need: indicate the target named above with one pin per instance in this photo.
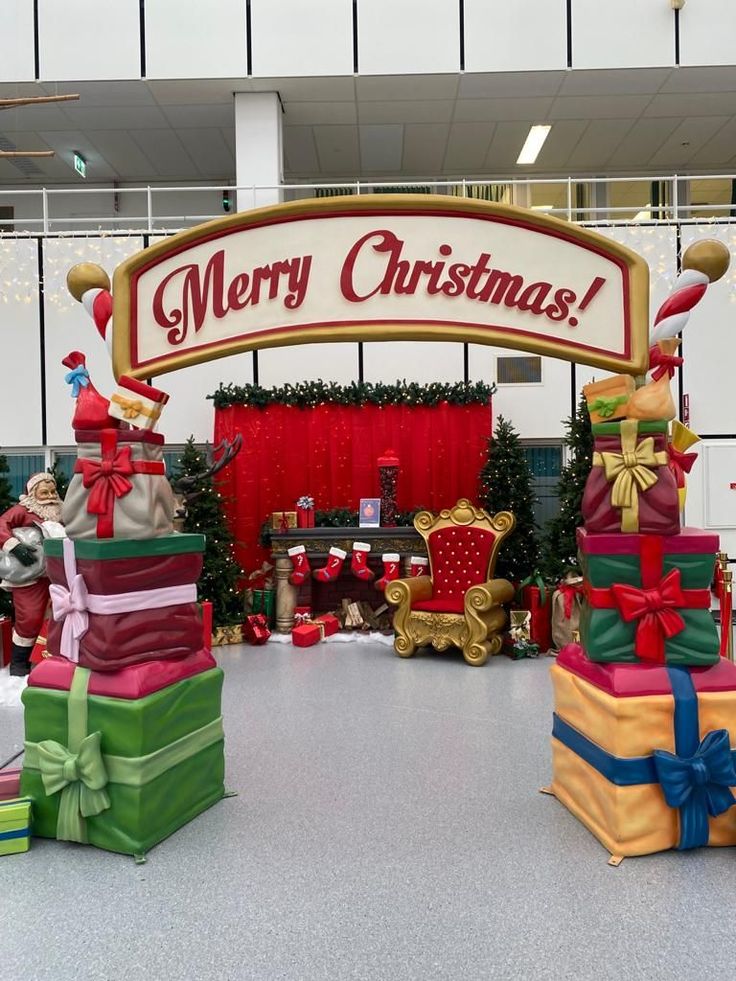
(29, 601)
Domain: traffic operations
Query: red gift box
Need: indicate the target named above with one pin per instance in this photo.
(133, 682)
(302, 614)
(255, 629)
(9, 784)
(306, 634)
(330, 622)
(41, 647)
(206, 624)
(6, 640)
(540, 628)
(305, 517)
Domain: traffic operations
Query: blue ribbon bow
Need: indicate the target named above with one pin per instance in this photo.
(699, 785)
(78, 379)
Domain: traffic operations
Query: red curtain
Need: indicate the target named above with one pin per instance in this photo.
(330, 452)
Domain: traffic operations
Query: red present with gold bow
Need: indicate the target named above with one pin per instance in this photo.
(302, 614)
(307, 634)
(647, 598)
(255, 629)
(630, 487)
(119, 487)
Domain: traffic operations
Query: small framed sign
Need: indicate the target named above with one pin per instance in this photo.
(369, 515)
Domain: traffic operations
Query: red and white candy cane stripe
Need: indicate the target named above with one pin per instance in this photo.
(675, 311)
(98, 304)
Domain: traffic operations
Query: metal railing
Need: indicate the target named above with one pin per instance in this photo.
(51, 211)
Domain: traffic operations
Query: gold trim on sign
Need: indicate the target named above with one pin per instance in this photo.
(638, 306)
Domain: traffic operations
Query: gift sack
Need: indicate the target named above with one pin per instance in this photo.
(630, 487)
(119, 488)
(567, 602)
(116, 603)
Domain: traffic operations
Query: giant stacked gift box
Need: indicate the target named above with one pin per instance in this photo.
(645, 706)
(124, 738)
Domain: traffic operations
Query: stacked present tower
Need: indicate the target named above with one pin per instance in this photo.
(124, 737)
(645, 706)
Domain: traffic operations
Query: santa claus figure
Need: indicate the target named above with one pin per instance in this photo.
(27, 581)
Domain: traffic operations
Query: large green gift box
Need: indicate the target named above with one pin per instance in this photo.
(647, 597)
(122, 773)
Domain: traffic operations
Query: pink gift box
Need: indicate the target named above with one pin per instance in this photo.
(9, 784)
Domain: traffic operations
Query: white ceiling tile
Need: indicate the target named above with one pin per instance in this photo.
(695, 104)
(562, 140)
(337, 148)
(117, 93)
(385, 88)
(491, 110)
(300, 151)
(209, 151)
(596, 145)
(115, 117)
(314, 113)
(508, 139)
(124, 155)
(424, 148)
(643, 139)
(685, 141)
(196, 117)
(720, 149)
(467, 147)
(381, 147)
(702, 79)
(203, 91)
(499, 85)
(599, 107)
(621, 81)
(164, 149)
(25, 119)
(428, 111)
(338, 89)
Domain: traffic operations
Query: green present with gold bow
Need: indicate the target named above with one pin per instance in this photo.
(122, 773)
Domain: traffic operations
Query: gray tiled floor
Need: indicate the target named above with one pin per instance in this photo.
(388, 827)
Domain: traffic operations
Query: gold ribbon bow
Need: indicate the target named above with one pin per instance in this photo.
(630, 472)
(80, 777)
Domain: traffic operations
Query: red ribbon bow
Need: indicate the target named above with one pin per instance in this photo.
(664, 364)
(680, 463)
(569, 592)
(656, 612)
(106, 480)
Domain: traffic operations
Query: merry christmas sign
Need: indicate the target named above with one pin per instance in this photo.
(381, 267)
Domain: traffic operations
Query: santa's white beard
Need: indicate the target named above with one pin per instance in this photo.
(49, 511)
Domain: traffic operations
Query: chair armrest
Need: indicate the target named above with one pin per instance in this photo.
(408, 591)
(486, 595)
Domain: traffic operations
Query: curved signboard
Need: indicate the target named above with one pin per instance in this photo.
(381, 267)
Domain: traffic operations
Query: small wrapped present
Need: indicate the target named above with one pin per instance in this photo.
(305, 512)
(642, 754)
(283, 520)
(647, 598)
(15, 825)
(607, 399)
(6, 640)
(9, 784)
(255, 629)
(567, 602)
(302, 614)
(119, 487)
(121, 773)
(307, 634)
(681, 462)
(630, 487)
(230, 634)
(41, 647)
(533, 595)
(119, 602)
(330, 623)
(136, 403)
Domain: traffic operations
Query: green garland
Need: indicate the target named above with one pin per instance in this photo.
(308, 394)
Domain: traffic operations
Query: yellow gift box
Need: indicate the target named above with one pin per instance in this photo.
(615, 734)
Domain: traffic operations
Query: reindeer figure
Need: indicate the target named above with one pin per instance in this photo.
(186, 487)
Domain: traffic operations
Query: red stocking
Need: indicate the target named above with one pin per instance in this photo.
(419, 566)
(359, 562)
(390, 569)
(331, 571)
(298, 556)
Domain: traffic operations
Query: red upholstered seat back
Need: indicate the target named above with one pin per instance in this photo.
(459, 557)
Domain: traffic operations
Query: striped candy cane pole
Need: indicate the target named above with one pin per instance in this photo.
(702, 263)
(90, 285)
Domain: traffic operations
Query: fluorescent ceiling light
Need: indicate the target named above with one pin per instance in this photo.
(533, 144)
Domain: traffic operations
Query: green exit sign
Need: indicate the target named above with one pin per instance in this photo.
(80, 164)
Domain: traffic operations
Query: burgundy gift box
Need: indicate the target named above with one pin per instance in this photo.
(540, 629)
(630, 487)
(125, 572)
(255, 629)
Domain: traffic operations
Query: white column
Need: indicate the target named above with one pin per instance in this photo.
(258, 148)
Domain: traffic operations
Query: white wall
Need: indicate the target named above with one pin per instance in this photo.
(20, 390)
(711, 502)
(89, 39)
(524, 35)
(196, 40)
(708, 33)
(416, 361)
(317, 41)
(624, 34)
(408, 37)
(16, 41)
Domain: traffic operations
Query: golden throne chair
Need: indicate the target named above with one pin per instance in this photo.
(459, 603)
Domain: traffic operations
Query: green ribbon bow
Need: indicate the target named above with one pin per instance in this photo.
(535, 579)
(605, 407)
(80, 777)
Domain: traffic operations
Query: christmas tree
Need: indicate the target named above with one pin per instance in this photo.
(559, 548)
(204, 516)
(506, 485)
(7, 499)
(62, 481)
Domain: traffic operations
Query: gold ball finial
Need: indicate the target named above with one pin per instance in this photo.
(709, 256)
(86, 276)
